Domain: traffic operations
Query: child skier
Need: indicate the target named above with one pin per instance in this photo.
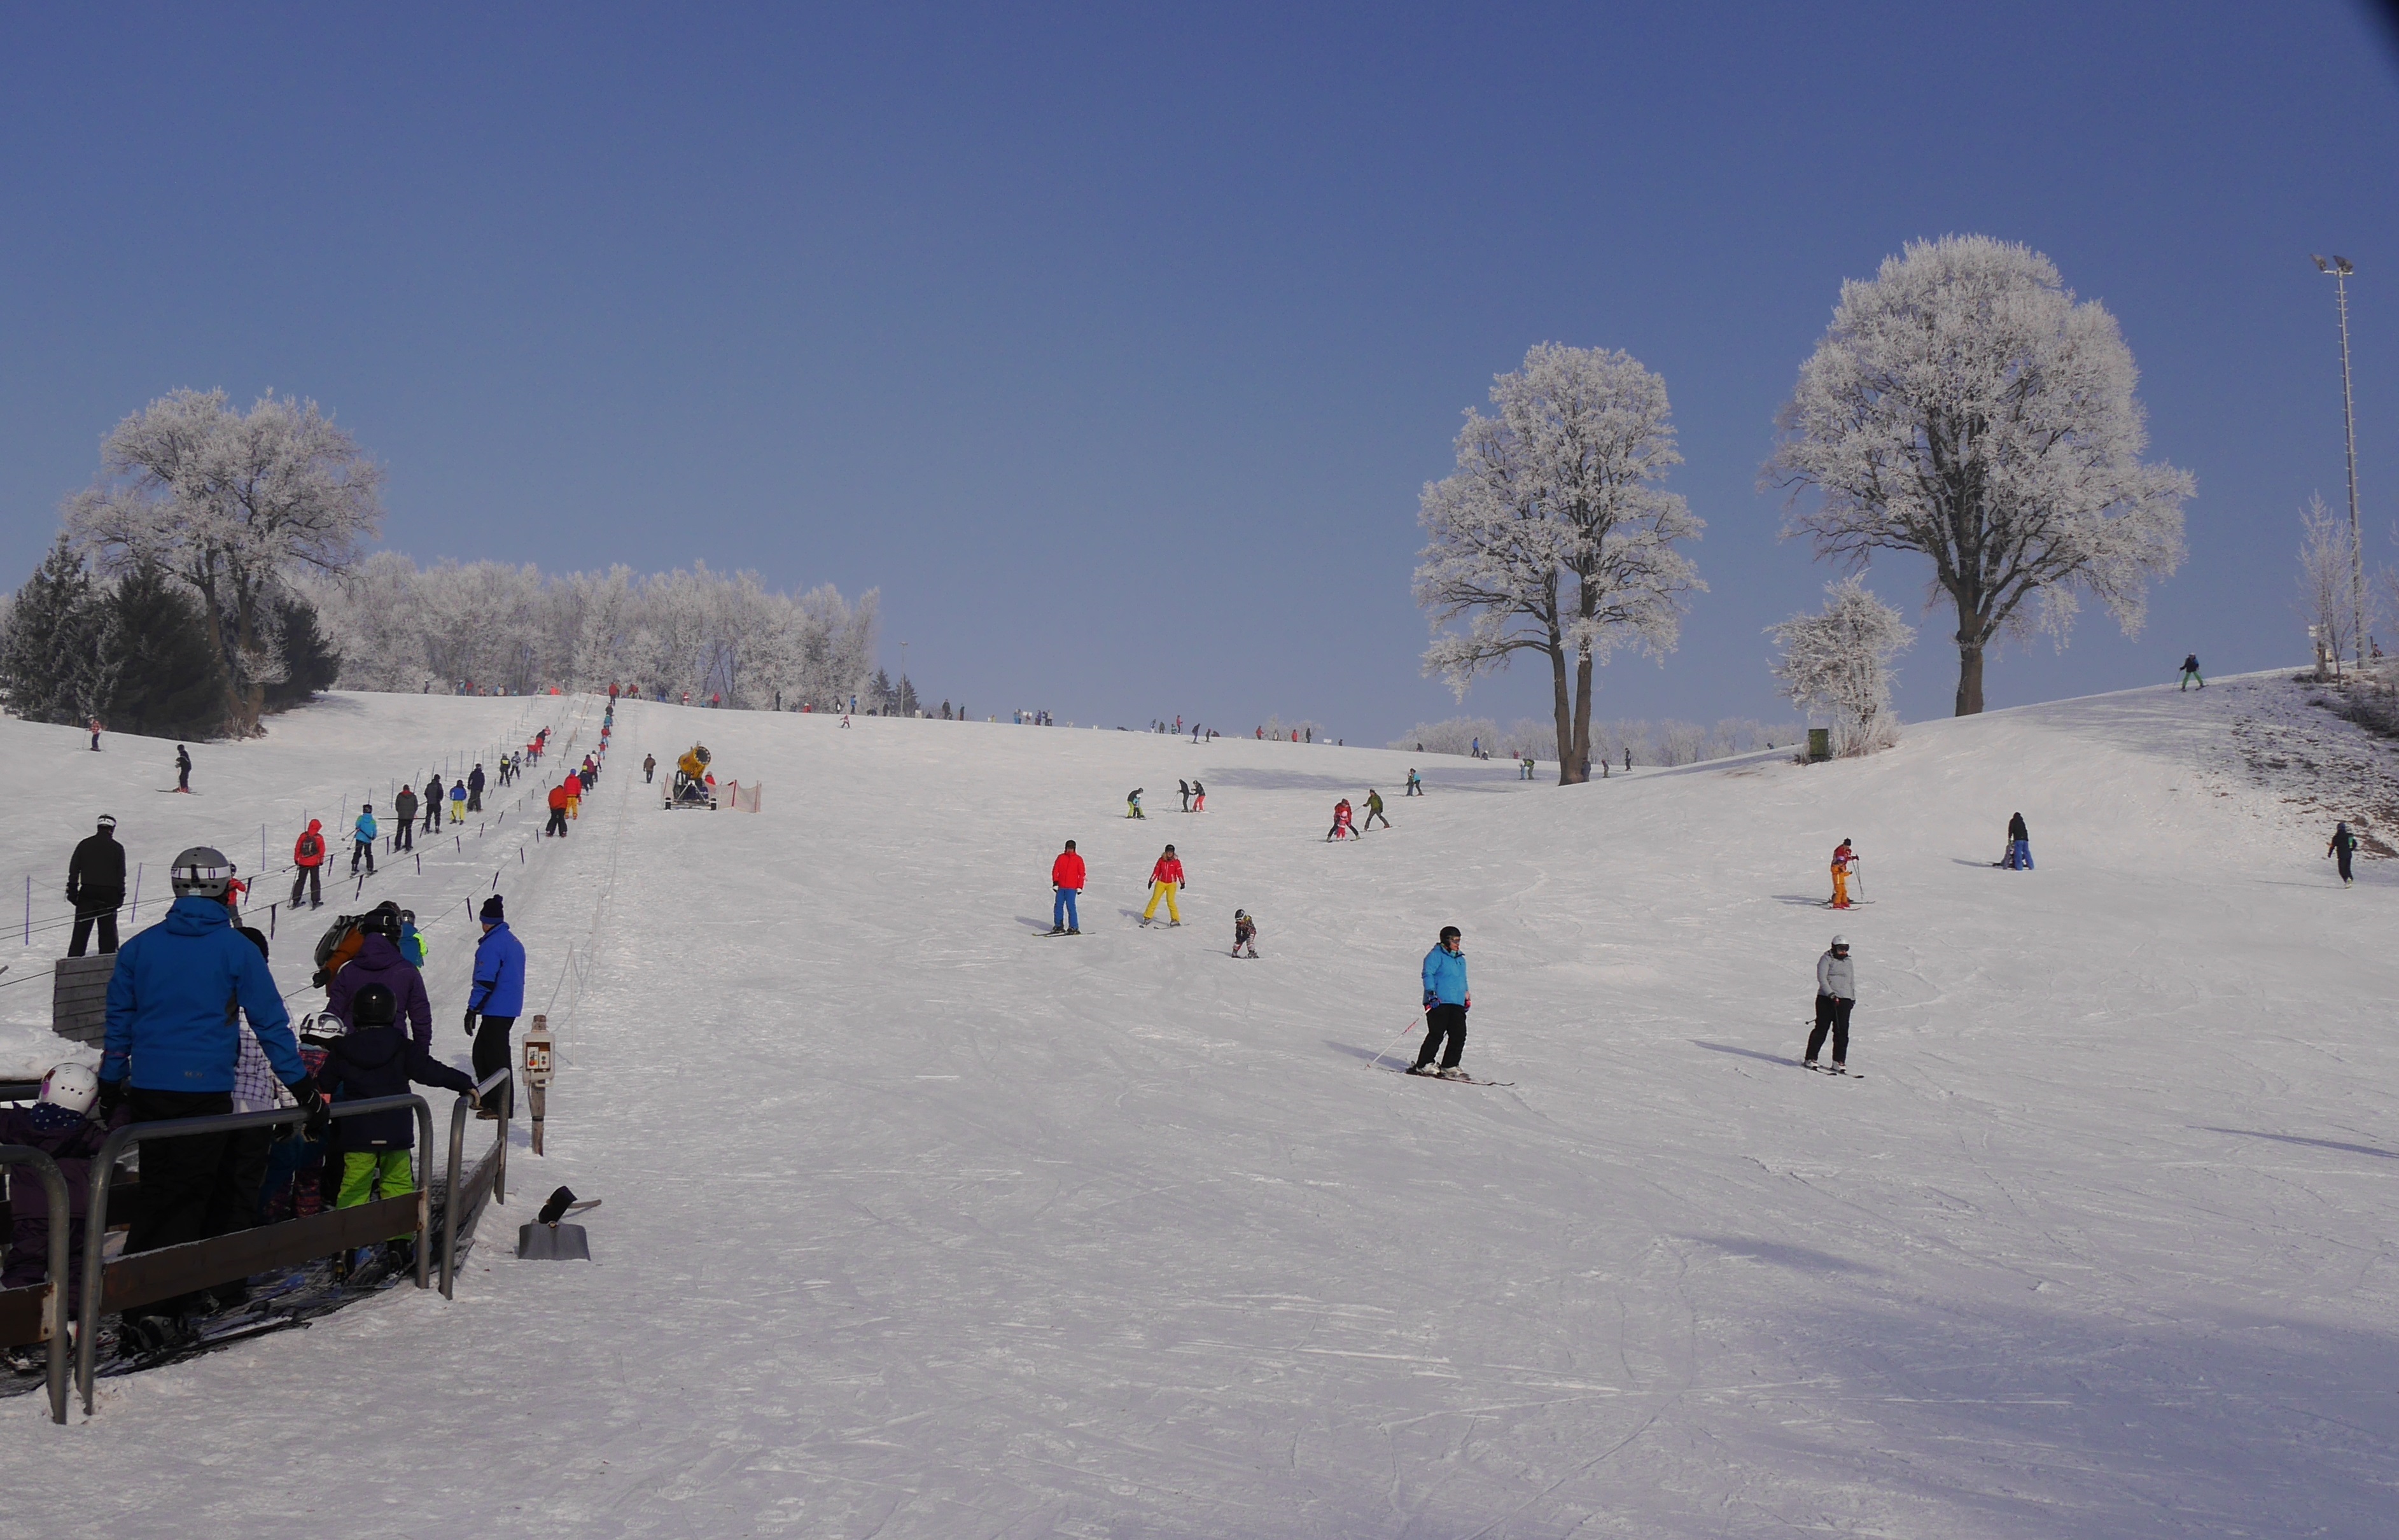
(1198, 796)
(362, 839)
(2191, 672)
(1245, 933)
(1132, 803)
(2344, 845)
(1416, 787)
(375, 1059)
(60, 1126)
(1340, 829)
(1165, 880)
(1845, 860)
(457, 802)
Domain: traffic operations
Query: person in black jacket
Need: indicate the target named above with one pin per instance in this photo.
(403, 817)
(182, 769)
(474, 789)
(373, 1059)
(2019, 844)
(96, 887)
(432, 801)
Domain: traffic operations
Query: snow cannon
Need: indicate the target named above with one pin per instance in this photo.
(692, 787)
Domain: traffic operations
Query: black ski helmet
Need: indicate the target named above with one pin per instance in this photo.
(374, 1006)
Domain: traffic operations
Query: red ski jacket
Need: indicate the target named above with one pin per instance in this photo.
(558, 796)
(310, 848)
(1168, 870)
(1067, 872)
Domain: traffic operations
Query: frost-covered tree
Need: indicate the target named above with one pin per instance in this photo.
(1964, 407)
(1453, 735)
(2327, 569)
(235, 505)
(1838, 663)
(1553, 536)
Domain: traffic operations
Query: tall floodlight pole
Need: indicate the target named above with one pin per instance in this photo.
(2340, 271)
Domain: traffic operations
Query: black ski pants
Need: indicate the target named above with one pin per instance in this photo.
(88, 914)
(557, 824)
(474, 799)
(186, 1182)
(1833, 1016)
(1443, 1021)
(2340, 859)
(313, 879)
(362, 850)
(406, 838)
(492, 1053)
(432, 813)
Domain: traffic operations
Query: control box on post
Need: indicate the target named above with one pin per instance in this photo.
(536, 1074)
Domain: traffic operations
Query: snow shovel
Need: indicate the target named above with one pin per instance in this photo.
(546, 1239)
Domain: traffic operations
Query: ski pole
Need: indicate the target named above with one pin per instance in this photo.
(1378, 1061)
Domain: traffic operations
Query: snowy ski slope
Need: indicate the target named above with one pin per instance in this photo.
(919, 1225)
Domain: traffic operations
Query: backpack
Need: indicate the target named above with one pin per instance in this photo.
(336, 946)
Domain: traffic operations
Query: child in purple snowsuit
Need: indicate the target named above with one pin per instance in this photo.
(71, 1138)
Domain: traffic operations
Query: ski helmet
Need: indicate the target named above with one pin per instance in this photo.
(374, 1006)
(202, 870)
(71, 1086)
(1449, 933)
(1840, 944)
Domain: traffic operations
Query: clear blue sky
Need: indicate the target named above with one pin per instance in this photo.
(1114, 344)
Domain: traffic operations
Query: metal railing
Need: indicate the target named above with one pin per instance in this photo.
(142, 1278)
(52, 1324)
(490, 1175)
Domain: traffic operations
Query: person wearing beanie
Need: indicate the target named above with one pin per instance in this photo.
(96, 886)
(1446, 1001)
(403, 818)
(1836, 995)
(493, 1003)
(362, 839)
(375, 1059)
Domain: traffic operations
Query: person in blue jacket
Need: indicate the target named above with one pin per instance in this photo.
(362, 839)
(173, 1039)
(1446, 1004)
(496, 999)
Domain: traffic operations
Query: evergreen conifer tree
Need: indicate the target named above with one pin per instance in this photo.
(51, 656)
(167, 679)
(310, 661)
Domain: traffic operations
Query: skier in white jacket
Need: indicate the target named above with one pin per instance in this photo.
(1836, 992)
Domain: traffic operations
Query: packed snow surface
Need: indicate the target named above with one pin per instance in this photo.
(919, 1225)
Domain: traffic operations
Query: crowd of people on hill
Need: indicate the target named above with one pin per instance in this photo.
(196, 1027)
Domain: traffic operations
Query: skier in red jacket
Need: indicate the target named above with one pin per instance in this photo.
(308, 855)
(1067, 876)
(1165, 879)
(1341, 816)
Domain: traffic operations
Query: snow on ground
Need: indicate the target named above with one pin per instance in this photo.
(917, 1224)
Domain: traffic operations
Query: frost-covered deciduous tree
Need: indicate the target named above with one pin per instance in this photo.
(1453, 735)
(1553, 536)
(2327, 572)
(487, 624)
(1838, 663)
(235, 505)
(1964, 407)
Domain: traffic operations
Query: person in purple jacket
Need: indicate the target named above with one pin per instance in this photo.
(60, 1126)
(375, 1059)
(379, 961)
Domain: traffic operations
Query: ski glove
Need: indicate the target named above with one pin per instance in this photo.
(312, 1102)
(471, 1023)
(1430, 1000)
(111, 1093)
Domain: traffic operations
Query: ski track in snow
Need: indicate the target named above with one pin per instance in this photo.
(913, 1228)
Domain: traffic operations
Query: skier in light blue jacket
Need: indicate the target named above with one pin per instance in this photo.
(362, 839)
(1446, 1004)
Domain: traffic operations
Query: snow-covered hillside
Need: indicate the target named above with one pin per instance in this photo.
(919, 1225)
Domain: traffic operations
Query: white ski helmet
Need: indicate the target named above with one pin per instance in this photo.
(71, 1086)
(1840, 940)
(202, 870)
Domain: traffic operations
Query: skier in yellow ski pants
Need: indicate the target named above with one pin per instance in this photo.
(1164, 878)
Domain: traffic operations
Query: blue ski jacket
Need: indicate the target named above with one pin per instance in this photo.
(1444, 977)
(499, 974)
(365, 827)
(173, 1001)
